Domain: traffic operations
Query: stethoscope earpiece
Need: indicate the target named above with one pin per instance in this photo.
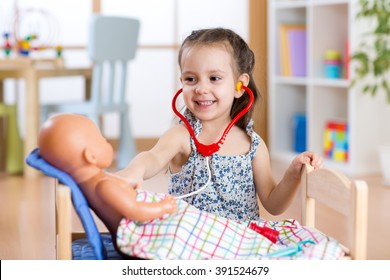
(239, 86)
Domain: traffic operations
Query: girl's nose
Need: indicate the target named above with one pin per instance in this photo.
(201, 88)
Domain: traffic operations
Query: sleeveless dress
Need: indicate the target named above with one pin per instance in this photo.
(231, 193)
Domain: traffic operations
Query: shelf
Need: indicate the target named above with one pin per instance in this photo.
(290, 4)
(330, 25)
(291, 80)
(342, 83)
(327, 2)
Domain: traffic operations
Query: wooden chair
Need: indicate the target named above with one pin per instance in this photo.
(63, 222)
(337, 192)
(65, 231)
(68, 196)
(98, 245)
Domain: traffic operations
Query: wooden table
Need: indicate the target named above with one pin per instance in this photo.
(32, 73)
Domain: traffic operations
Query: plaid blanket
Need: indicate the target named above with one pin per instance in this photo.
(193, 234)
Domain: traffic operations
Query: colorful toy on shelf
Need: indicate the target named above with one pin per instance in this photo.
(336, 140)
(333, 64)
(299, 132)
(35, 30)
(58, 49)
(24, 46)
(7, 44)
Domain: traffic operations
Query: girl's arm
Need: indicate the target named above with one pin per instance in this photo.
(277, 197)
(147, 164)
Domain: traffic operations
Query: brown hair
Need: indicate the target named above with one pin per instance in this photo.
(243, 57)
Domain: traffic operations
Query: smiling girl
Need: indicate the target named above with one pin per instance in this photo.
(212, 62)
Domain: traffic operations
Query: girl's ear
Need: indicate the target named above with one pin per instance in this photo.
(244, 80)
(89, 156)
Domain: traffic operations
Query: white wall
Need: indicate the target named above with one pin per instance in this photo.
(153, 75)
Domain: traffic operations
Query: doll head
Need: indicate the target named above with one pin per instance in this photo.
(72, 142)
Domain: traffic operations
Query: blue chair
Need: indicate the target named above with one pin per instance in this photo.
(95, 246)
(112, 44)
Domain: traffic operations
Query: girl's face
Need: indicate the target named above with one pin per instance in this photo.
(208, 82)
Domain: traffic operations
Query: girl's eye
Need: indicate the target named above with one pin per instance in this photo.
(189, 79)
(214, 78)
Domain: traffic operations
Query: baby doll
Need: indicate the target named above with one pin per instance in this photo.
(74, 144)
(144, 224)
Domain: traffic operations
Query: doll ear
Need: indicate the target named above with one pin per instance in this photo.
(89, 156)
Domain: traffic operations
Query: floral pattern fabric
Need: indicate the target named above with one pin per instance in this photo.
(231, 193)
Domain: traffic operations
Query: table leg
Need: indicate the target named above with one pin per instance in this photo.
(88, 88)
(2, 130)
(32, 114)
(1, 91)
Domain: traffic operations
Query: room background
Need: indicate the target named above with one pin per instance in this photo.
(153, 76)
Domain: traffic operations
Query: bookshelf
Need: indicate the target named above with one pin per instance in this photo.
(329, 25)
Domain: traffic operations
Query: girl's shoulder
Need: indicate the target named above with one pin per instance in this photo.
(178, 131)
(179, 136)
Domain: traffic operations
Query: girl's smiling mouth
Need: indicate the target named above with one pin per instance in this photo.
(205, 102)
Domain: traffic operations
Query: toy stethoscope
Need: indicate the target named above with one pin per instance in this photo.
(208, 150)
(290, 251)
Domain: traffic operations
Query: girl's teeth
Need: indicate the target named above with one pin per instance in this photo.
(205, 103)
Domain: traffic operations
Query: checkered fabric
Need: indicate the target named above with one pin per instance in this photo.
(192, 234)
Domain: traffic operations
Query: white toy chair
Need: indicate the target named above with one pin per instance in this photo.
(112, 44)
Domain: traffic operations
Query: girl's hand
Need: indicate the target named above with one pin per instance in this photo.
(310, 158)
(305, 158)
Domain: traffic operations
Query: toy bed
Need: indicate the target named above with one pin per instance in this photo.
(328, 187)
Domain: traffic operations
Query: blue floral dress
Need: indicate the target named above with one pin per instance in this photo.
(231, 193)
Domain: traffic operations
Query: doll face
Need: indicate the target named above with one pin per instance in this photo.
(102, 150)
(71, 141)
(208, 81)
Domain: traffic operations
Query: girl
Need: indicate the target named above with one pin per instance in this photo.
(212, 62)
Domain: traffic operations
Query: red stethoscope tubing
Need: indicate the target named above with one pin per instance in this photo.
(208, 150)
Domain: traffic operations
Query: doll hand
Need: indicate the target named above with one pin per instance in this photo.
(169, 205)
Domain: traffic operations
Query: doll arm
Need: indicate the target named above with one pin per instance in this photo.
(123, 200)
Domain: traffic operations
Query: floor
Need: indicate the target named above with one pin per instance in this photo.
(27, 213)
